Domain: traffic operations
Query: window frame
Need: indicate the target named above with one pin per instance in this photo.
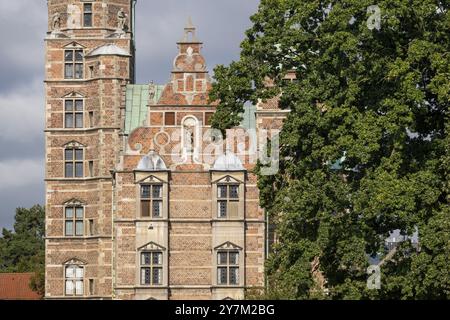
(151, 267)
(74, 161)
(74, 63)
(151, 199)
(74, 112)
(74, 280)
(74, 220)
(228, 267)
(89, 14)
(227, 198)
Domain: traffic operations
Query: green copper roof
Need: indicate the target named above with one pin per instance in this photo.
(249, 121)
(137, 101)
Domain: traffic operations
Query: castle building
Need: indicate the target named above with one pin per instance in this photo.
(142, 200)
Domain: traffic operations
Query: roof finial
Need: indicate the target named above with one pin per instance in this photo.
(189, 31)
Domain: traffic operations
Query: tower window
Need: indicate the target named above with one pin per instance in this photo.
(73, 114)
(74, 221)
(74, 281)
(228, 268)
(227, 200)
(151, 200)
(87, 15)
(73, 64)
(73, 158)
(151, 268)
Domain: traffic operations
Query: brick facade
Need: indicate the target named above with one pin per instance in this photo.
(115, 232)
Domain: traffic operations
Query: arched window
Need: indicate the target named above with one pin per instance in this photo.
(74, 160)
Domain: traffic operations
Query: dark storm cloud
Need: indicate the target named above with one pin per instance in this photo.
(159, 25)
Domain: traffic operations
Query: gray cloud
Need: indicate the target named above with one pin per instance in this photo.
(23, 23)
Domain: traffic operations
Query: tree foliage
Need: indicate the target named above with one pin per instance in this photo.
(22, 250)
(377, 98)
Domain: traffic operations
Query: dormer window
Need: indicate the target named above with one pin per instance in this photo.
(73, 63)
(87, 15)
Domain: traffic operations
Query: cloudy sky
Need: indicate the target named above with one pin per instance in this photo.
(221, 26)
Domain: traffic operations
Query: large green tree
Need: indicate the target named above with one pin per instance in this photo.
(22, 250)
(373, 90)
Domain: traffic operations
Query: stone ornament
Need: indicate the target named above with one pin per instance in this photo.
(56, 22)
(122, 20)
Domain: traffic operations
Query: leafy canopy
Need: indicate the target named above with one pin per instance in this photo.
(379, 96)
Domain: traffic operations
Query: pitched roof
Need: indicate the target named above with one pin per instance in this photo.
(15, 286)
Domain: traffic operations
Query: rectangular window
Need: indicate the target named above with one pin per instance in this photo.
(73, 64)
(228, 201)
(151, 268)
(73, 159)
(74, 281)
(169, 119)
(73, 113)
(151, 201)
(228, 268)
(74, 221)
(87, 15)
(91, 287)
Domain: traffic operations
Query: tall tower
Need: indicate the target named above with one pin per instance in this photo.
(89, 62)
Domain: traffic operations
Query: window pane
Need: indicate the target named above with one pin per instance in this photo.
(68, 71)
(87, 7)
(234, 192)
(68, 55)
(78, 71)
(222, 209)
(222, 275)
(145, 276)
(145, 192)
(70, 272)
(157, 258)
(69, 228)
(69, 170)
(79, 120)
(68, 154)
(222, 258)
(79, 212)
(78, 105)
(222, 191)
(78, 170)
(146, 258)
(157, 275)
(234, 258)
(69, 288)
(157, 191)
(79, 272)
(69, 105)
(79, 55)
(69, 120)
(145, 208)
(88, 19)
(234, 276)
(157, 209)
(79, 228)
(78, 154)
(79, 287)
(69, 213)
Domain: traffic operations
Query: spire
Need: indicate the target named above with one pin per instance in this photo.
(189, 33)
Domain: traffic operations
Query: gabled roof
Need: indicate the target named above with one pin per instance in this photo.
(16, 286)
